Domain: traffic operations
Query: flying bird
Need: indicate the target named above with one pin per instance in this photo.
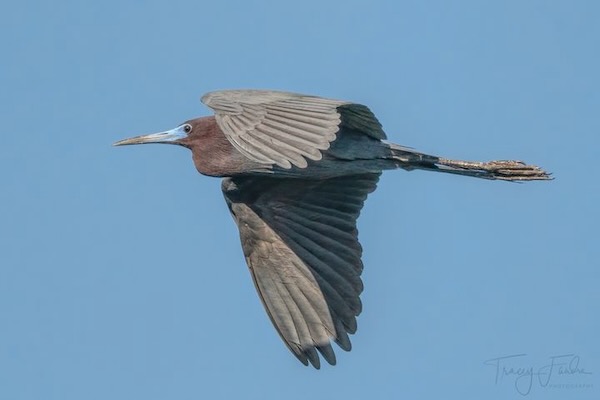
(297, 170)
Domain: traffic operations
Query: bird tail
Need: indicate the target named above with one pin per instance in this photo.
(506, 170)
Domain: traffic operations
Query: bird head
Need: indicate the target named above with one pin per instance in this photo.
(176, 135)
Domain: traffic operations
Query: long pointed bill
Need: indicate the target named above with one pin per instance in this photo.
(168, 137)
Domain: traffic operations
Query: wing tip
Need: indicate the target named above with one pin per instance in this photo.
(310, 356)
(327, 353)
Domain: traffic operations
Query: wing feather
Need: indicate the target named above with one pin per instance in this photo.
(285, 129)
(301, 245)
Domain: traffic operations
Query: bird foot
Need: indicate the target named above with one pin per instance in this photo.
(507, 170)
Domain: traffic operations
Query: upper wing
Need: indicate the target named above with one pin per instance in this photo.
(285, 128)
(301, 244)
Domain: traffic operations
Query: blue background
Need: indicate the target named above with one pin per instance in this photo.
(121, 274)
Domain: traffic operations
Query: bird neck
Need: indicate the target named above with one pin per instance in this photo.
(214, 155)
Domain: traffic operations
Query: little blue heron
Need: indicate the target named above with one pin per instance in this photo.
(297, 171)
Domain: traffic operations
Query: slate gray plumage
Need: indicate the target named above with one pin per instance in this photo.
(297, 171)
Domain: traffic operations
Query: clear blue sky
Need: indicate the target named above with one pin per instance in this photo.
(121, 274)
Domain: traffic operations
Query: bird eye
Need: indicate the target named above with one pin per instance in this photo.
(187, 128)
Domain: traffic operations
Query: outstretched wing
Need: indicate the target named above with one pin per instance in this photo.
(301, 244)
(285, 128)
